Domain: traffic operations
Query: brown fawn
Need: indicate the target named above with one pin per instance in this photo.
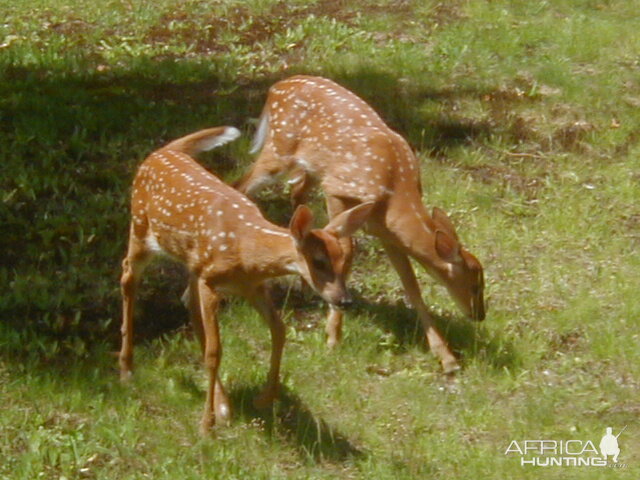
(320, 132)
(180, 209)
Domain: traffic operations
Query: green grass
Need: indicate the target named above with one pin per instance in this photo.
(525, 118)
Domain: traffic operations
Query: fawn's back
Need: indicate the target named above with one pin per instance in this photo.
(181, 209)
(335, 136)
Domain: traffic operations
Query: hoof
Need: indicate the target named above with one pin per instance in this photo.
(126, 376)
(333, 339)
(450, 367)
(223, 415)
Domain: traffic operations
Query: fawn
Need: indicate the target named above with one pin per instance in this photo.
(180, 209)
(320, 132)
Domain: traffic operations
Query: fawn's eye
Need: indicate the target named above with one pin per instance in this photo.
(321, 263)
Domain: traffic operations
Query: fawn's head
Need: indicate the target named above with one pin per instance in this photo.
(464, 276)
(321, 259)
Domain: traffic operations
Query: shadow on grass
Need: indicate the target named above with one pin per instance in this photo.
(84, 134)
(467, 339)
(401, 105)
(291, 421)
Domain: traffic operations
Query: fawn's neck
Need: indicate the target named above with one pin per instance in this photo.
(271, 252)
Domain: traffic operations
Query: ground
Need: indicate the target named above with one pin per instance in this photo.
(524, 116)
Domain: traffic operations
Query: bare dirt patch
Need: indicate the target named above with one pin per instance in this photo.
(205, 34)
(526, 185)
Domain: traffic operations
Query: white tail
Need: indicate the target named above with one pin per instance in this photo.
(180, 209)
(203, 140)
(325, 134)
(261, 133)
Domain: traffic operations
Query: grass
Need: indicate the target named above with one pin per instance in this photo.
(525, 118)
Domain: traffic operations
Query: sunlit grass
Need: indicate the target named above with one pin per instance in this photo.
(524, 116)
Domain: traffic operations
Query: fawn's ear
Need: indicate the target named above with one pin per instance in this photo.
(448, 249)
(346, 224)
(443, 222)
(301, 223)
